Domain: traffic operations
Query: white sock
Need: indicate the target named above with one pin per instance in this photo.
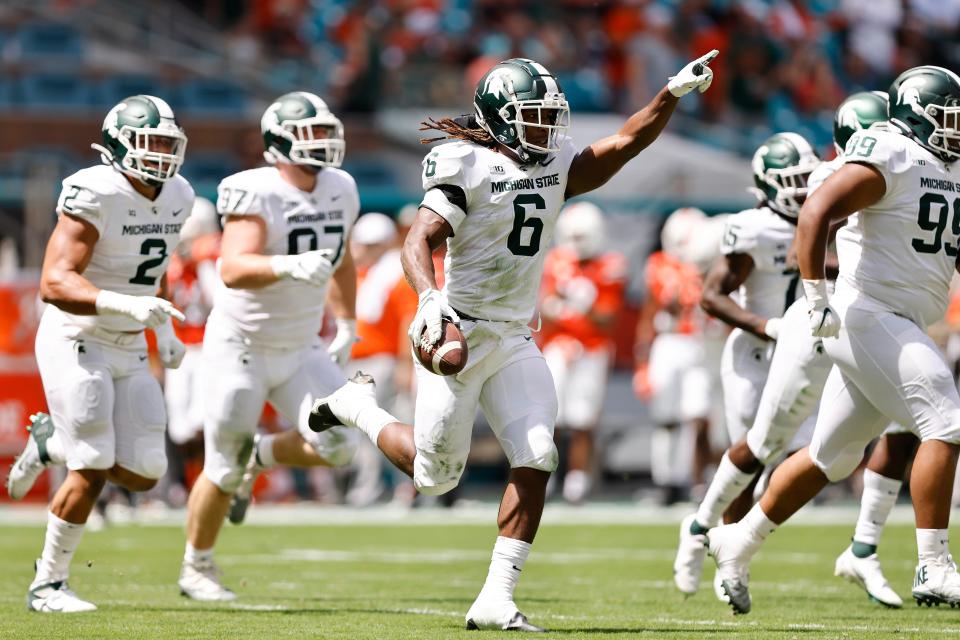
(932, 544)
(264, 450)
(55, 449)
(371, 420)
(757, 525)
(61, 542)
(728, 482)
(879, 496)
(509, 556)
(195, 556)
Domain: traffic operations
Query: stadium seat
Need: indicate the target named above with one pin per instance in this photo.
(212, 97)
(47, 42)
(55, 91)
(113, 89)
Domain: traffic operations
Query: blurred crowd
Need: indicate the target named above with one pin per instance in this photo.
(785, 64)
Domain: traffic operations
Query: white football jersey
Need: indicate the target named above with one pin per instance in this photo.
(766, 238)
(823, 171)
(502, 227)
(286, 313)
(137, 235)
(901, 251)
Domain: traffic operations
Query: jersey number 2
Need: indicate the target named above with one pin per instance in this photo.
(147, 249)
(927, 203)
(520, 222)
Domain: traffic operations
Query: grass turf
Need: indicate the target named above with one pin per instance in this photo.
(417, 582)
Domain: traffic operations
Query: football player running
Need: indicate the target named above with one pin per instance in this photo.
(898, 252)
(284, 244)
(787, 413)
(493, 197)
(754, 264)
(118, 224)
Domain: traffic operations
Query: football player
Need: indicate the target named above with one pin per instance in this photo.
(285, 234)
(493, 196)
(754, 264)
(787, 411)
(118, 224)
(672, 373)
(582, 292)
(897, 252)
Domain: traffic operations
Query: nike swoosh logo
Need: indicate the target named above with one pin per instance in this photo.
(516, 567)
(334, 198)
(177, 212)
(552, 158)
(528, 339)
(142, 358)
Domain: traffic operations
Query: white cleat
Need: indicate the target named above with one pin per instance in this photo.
(730, 551)
(866, 573)
(56, 597)
(691, 552)
(201, 581)
(240, 501)
(33, 460)
(487, 613)
(342, 407)
(937, 581)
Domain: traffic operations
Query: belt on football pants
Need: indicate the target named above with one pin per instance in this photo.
(467, 316)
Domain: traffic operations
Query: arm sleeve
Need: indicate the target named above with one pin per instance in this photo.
(237, 197)
(445, 183)
(82, 202)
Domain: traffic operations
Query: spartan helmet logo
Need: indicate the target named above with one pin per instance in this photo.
(909, 94)
(495, 84)
(848, 117)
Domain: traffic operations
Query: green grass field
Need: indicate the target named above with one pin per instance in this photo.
(383, 581)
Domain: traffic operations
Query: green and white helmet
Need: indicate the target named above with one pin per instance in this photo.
(862, 110)
(781, 167)
(130, 139)
(925, 105)
(288, 131)
(517, 94)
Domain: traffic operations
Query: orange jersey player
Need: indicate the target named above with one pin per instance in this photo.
(672, 369)
(582, 291)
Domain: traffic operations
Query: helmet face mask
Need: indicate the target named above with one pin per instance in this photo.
(299, 129)
(781, 168)
(925, 105)
(142, 139)
(520, 104)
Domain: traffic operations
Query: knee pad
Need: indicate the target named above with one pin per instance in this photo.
(89, 411)
(529, 443)
(437, 473)
(837, 465)
(337, 446)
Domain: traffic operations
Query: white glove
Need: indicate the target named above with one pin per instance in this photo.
(430, 313)
(696, 75)
(772, 328)
(169, 347)
(313, 267)
(147, 310)
(342, 343)
(824, 321)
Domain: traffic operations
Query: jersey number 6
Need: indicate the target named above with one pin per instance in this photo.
(520, 222)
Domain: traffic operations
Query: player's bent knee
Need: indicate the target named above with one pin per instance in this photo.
(437, 473)
(537, 451)
(435, 489)
(130, 480)
(839, 465)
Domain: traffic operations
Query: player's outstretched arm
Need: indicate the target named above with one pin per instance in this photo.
(596, 164)
(68, 252)
(725, 276)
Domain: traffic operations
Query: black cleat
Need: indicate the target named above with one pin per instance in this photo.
(519, 622)
(321, 415)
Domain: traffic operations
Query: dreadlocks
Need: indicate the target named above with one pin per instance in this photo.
(461, 128)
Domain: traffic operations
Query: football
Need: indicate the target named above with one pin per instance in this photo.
(449, 356)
